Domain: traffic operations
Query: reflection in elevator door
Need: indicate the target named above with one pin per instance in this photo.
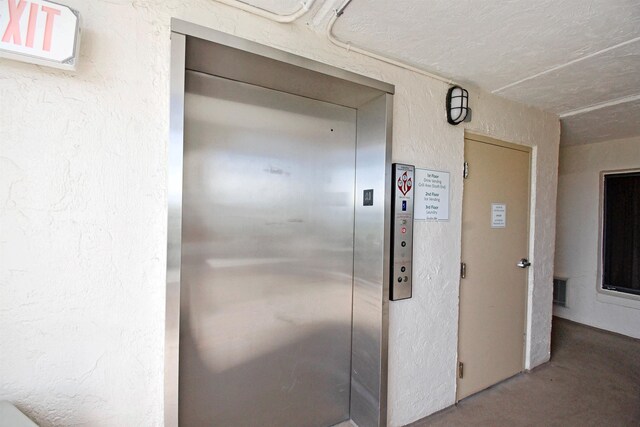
(267, 257)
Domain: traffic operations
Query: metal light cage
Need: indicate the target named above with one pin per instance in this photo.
(457, 105)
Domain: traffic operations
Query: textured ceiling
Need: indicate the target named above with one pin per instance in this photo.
(493, 43)
(579, 59)
(280, 7)
(604, 124)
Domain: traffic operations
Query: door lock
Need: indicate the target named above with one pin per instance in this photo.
(523, 263)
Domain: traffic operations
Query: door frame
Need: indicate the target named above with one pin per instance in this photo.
(527, 305)
(373, 100)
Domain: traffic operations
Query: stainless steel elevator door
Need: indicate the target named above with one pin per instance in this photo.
(267, 257)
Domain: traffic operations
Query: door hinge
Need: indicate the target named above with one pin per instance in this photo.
(460, 370)
(463, 270)
(465, 170)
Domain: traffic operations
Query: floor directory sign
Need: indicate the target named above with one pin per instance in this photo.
(431, 195)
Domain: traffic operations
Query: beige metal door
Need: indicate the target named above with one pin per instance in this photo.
(493, 289)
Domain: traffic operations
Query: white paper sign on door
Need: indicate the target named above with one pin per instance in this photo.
(498, 215)
(431, 195)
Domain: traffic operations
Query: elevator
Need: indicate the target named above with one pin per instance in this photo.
(278, 238)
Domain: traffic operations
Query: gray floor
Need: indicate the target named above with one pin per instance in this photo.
(593, 379)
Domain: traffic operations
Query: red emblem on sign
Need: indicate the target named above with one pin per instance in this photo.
(404, 184)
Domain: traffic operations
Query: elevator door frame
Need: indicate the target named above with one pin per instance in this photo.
(249, 62)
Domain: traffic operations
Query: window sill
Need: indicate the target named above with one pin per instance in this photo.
(618, 298)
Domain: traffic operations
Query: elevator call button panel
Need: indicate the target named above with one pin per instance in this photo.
(401, 231)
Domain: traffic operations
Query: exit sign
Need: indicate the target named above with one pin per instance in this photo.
(40, 32)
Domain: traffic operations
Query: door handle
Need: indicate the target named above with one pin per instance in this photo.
(523, 263)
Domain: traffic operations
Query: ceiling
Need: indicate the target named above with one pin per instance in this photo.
(281, 7)
(579, 59)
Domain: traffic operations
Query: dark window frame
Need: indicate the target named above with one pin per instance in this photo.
(610, 258)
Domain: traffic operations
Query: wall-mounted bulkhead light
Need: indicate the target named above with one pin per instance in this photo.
(457, 105)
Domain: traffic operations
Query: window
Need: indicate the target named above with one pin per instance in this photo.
(621, 233)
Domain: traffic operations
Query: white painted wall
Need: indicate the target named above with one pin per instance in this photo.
(83, 217)
(578, 230)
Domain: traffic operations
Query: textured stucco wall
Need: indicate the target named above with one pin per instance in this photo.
(578, 230)
(83, 217)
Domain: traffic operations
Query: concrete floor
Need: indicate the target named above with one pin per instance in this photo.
(593, 379)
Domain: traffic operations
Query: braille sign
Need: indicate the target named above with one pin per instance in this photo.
(367, 198)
